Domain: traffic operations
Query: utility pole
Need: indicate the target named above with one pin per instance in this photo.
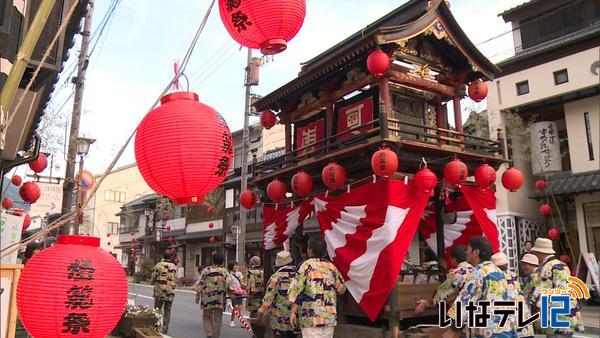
(67, 200)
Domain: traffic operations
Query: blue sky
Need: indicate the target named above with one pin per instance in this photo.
(134, 59)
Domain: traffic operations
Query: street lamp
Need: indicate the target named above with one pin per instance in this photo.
(83, 146)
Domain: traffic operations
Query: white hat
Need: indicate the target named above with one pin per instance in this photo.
(543, 245)
(530, 259)
(499, 259)
(283, 258)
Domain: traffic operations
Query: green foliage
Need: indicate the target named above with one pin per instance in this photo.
(145, 272)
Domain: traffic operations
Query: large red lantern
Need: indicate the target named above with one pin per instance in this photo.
(456, 172)
(7, 203)
(512, 179)
(183, 148)
(16, 180)
(378, 63)
(30, 192)
(546, 209)
(485, 176)
(425, 180)
(302, 183)
(72, 288)
(26, 222)
(276, 190)
(540, 184)
(248, 199)
(268, 25)
(553, 234)
(39, 164)
(333, 176)
(268, 119)
(384, 162)
(478, 90)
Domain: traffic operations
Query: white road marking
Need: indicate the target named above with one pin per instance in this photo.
(150, 286)
(135, 295)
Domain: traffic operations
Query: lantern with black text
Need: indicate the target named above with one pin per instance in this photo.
(248, 199)
(73, 288)
(16, 180)
(478, 90)
(333, 176)
(485, 176)
(456, 172)
(276, 190)
(30, 192)
(546, 209)
(512, 179)
(183, 148)
(384, 162)
(268, 119)
(39, 164)
(553, 233)
(268, 25)
(7, 203)
(425, 180)
(378, 63)
(302, 183)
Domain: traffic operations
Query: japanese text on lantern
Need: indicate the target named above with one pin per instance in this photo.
(239, 19)
(79, 297)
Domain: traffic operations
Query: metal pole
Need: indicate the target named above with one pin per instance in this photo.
(79, 218)
(67, 200)
(241, 237)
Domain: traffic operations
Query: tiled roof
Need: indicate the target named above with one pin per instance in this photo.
(567, 183)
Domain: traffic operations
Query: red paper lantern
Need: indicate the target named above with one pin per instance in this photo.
(485, 176)
(26, 222)
(174, 250)
(212, 239)
(333, 176)
(268, 25)
(540, 185)
(16, 180)
(456, 172)
(248, 199)
(7, 203)
(132, 234)
(108, 235)
(512, 179)
(171, 239)
(478, 90)
(211, 225)
(553, 234)
(30, 192)
(302, 183)
(183, 148)
(73, 282)
(168, 228)
(546, 209)
(425, 180)
(268, 119)
(39, 164)
(210, 210)
(276, 190)
(108, 243)
(176, 261)
(378, 63)
(384, 162)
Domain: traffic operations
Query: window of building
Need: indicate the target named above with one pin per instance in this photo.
(561, 76)
(112, 228)
(197, 260)
(523, 87)
(588, 132)
(115, 196)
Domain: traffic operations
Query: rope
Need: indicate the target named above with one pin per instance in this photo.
(68, 217)
(242, 320)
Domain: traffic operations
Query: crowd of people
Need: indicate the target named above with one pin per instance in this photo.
(303, 298)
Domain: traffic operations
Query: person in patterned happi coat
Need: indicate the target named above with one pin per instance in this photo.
(164, 278)
(515, 292)
(485, 283)
(212, 287)
(454, 282)
(256, 291)
(314, 290)
(553, 274)
(276, 296)
(529, 266)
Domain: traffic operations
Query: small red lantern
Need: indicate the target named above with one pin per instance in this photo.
(176, 261)
(276, 190)
(425, 180)
(108, 234)
(456, 172)
(26, 222)
(174, 250)
(302, 183)
(248, 199)
(211, 225)
(378, 63)
(485, 176)
(384, 162)
(16, 180)
(132, 234)
(39, 164)
(268, 119)
(72, 288)
(546, 209)
(333, 176)
(478, 90)
(168, 228)
(553, 234)
(7, 203)
(212, 239)
(512, 179)
(267, 25)
(30, 192)
(108, 243)
(540, 184)
(210, 210)
(183, 148)
(171, 239)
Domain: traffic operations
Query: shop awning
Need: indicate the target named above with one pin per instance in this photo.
(567, 183)
(199, 234)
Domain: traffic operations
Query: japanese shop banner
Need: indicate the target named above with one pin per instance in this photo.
(545, 148)
(10, 233)
(355, 112)
(310, 134)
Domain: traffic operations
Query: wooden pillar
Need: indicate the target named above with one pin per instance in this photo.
(288, 136)
(384, 94)
(457, 114)
(329, 121)
(440, 119)
(439, 233)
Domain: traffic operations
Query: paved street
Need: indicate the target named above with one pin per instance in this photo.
(186, 316)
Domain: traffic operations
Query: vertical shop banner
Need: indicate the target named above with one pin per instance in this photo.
(355, 112)
(310, 135)
(10, 233)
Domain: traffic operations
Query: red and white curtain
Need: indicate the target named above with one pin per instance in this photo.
(281, 220)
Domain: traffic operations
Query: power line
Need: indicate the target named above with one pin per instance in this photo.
(201, 80)
(212, 61)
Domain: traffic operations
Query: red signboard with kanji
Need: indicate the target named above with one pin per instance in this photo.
(354, 113)
(310, 134)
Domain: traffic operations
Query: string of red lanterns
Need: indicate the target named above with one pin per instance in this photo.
(333, 176)
(485, 176)
(456, 172)
(384, 162)
(512, 179)
(39, 164)
(276, 190)
(478, 90)
(248, 199)
(16, 180)
(268, 119)
(302, 183)
(30, 192)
